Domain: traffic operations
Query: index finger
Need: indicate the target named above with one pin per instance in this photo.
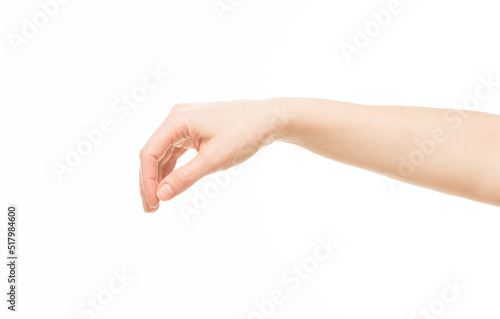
(154, 151)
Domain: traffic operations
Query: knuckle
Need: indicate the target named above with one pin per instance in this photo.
(180, 106)
(183, 177)
(177, 114)
(142, 153)
(146, 154)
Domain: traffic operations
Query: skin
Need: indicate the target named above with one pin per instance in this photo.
(452, 151)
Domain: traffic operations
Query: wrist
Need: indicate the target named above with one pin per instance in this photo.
(283, 113)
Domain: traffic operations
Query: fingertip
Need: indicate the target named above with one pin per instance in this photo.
(152, 204)
(145, 206)
(150, 189)
(153, 210)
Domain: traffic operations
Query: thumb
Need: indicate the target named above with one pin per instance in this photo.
(184, 177)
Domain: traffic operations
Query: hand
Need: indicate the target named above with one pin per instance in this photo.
(224, 134)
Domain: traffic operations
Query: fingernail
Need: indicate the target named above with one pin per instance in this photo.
(165, 192)
(147, 201)
(154, 209)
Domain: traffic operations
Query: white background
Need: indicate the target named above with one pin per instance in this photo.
(399, 243)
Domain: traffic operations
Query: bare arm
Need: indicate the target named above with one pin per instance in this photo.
(455, 152)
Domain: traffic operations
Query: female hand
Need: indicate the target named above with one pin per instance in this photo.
(224, 134)
(452, 151)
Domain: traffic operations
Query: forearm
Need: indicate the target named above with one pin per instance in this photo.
(455, 152)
